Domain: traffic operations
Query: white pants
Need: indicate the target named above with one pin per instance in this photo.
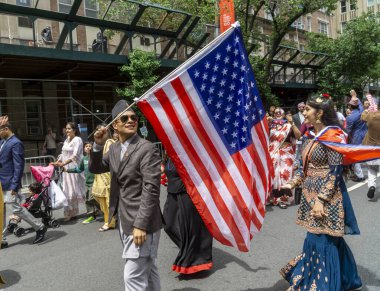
(372, 174)
(358, 171)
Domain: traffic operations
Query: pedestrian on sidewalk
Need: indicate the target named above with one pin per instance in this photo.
(372, 138)
(326, 262)
(12, 168)
(134, 164)
(91, 205)
(102, 189)
(73, 186)
(356, 129)
(185, 227)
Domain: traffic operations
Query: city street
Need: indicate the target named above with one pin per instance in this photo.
(78, 257)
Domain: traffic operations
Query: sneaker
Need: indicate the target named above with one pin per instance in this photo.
(89, 220)
(4, 244)
(371, 192)
(40, 234)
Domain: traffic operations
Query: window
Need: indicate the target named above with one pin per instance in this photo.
(370, 2)
(343, 6)
(298, 23)
(24, 21)
(23, 3)
(91, 8)
(75, 114)
(323, 27)
(353, 4)
(65, 6)
(33, 118)
(309, 23)
(144, 41)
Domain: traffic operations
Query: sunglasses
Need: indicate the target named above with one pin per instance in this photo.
(125, 118)
(277, 112)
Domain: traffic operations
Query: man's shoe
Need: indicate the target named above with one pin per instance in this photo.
(371, 192)
(357, 179)
(89, 220)
(40, 234)
(4, 244)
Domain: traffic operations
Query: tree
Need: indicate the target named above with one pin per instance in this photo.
(283, 13)
(141, 69)
(355, 56)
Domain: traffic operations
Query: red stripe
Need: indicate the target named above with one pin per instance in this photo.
(191, 269)
(204, 212)
(255, 159)
(212, 150)
(202, 170)
(261, 172)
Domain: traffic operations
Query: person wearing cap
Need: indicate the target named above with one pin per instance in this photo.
(298, 118)
(356, 129)
(135, 167)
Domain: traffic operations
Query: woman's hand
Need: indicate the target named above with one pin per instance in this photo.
(57, 164)
(286, 186)
(318, 211)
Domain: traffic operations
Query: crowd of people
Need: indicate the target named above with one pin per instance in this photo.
(119, 176)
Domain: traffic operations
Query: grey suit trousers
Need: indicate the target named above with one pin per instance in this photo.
(140, 270)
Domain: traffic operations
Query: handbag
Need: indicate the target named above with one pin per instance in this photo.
(58, 198)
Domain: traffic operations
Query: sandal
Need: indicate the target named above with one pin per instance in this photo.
(103, 228)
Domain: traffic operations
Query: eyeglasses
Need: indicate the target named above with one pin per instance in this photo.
(125, 118)
(277, 112)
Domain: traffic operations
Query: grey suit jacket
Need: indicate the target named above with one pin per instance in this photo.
(135, 183)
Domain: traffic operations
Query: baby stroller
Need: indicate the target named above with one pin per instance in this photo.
(39, 205)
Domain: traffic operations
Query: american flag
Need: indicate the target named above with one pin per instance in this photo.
(209, 117)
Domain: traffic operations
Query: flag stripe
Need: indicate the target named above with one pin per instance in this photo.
(208, 210)
(230, 213)
(208, 145)
(192, 99)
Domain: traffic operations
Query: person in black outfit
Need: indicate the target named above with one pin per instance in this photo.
(185, 227)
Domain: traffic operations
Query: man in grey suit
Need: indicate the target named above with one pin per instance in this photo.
(134, 164)
(298, 118)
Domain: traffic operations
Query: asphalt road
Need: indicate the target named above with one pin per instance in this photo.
(78, 257)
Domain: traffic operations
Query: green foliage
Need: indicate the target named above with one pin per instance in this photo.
(354, 56)
(141, 70)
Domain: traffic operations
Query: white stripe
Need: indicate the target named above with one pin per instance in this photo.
(225, 194)
(216, 141)
(263, 157)
(259, 183)
(196, 179)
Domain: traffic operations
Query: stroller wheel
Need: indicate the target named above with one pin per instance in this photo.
(11, 227)
(54, 223)
(19, 231)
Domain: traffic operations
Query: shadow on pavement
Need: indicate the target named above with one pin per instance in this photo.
(280, 285)
(11, 278)
(369, 278)
(51, 235)
(187, 289)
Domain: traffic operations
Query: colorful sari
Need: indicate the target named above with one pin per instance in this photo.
(282, 153)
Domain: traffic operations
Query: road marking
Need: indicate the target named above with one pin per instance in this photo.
(358, 185)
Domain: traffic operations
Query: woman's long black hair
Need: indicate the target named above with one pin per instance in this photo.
(325, 103)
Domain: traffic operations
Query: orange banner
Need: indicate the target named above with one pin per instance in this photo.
(227, 14)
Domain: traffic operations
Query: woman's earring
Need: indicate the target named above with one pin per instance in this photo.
(318, 121)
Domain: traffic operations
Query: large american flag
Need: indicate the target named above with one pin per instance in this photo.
(209, 117)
